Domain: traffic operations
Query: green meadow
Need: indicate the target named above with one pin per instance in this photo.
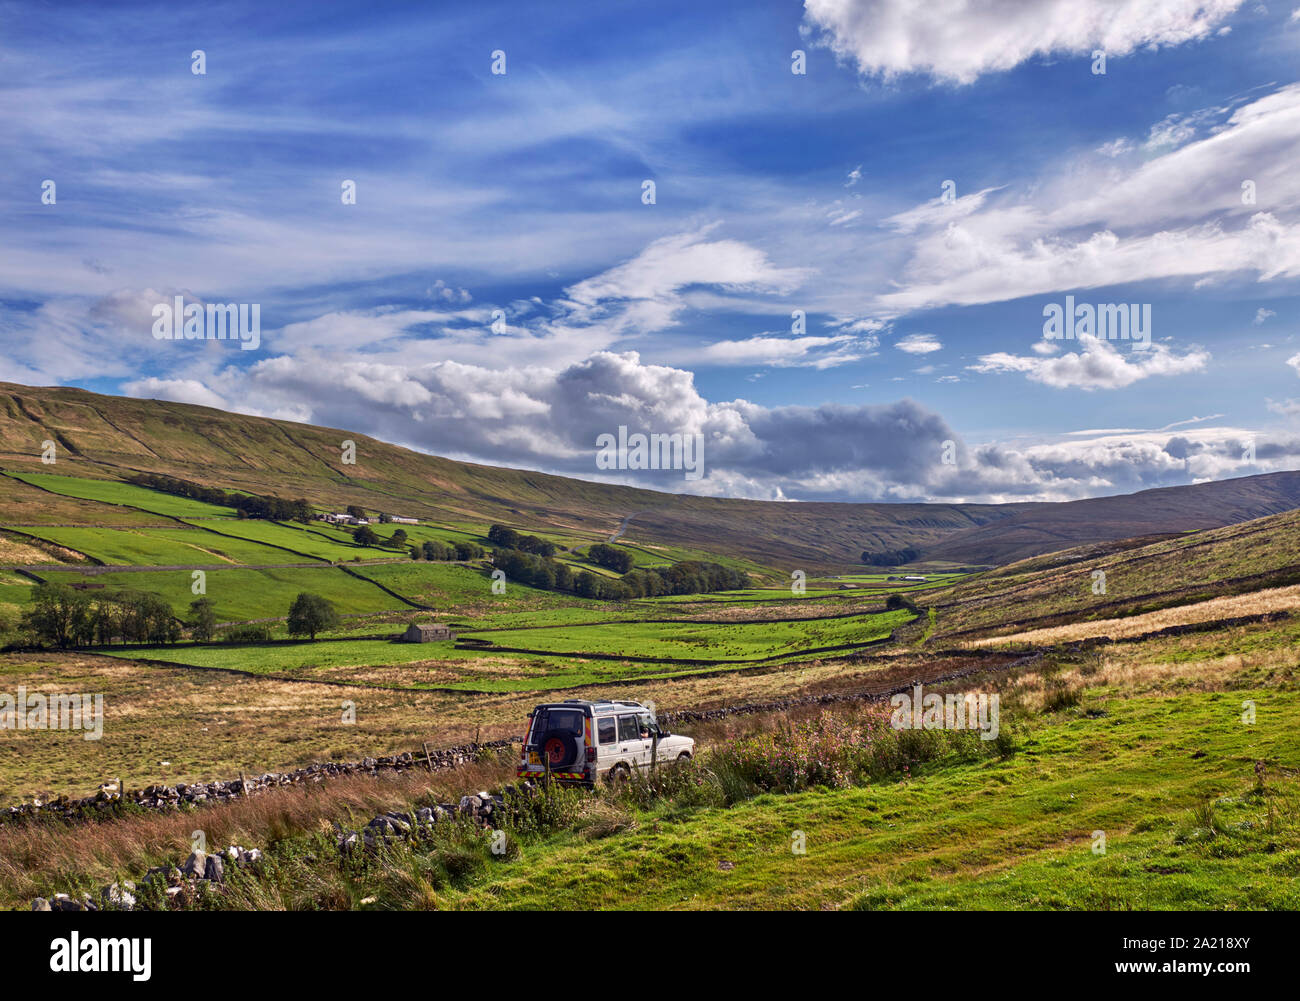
(296, 540)
(113, 492)
(703, 640)
(241, 594)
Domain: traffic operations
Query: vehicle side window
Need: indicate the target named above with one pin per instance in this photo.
(627, 728)
(607, 730)
(643, 722)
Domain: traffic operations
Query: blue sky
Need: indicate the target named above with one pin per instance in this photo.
(775, 192)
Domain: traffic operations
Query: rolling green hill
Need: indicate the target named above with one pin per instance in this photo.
(107, 438)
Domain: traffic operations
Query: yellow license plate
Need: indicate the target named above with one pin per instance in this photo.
(533, 759)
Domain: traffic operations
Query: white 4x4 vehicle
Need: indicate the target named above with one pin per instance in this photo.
(583, 741)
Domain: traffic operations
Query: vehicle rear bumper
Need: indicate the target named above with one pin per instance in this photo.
(567, 778)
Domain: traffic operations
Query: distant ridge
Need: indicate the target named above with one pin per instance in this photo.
(112, 436)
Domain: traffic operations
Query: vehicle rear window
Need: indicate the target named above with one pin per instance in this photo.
(607, 730)
(627, 729)
(563, 720)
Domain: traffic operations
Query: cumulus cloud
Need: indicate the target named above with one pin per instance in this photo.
(1097, 365)
(549, 419)
(959, 40)
(176, 391)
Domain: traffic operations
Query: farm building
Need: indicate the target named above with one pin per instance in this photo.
(427, 632)
(342, 519)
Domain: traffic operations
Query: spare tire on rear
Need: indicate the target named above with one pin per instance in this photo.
(560, 749)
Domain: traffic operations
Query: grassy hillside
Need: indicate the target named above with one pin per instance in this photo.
(1048, 590)
(109, 437)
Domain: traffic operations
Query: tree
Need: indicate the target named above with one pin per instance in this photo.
(618, 560)
(356, 512)
(586, 584)
(59, 614)
(311, 614)
(398, 539)
(365, 536)
(502, 537)
(203, 619)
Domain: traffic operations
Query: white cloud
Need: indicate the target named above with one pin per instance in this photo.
(1179, 214)
(1294, 362)
(1096, 365)
(175, 390)
(449, 293)
(1116, 147)
(919, 344)
(784, 352)
(958, 40)
(672, 263)
(1263, 314)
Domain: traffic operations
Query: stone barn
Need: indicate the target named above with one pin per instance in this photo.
(427, 632)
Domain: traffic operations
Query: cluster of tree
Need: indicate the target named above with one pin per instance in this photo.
(63, 616)
(508, 538)
(535, 571)
(245, 505)
(445, 552)
(364, 535)
(689, 577)
(890, 557)
(618, 560)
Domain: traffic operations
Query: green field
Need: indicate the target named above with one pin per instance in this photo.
(645, 649)
(463, 588)
(703, 640)
(417, 667)
(113, 492)
(296, 539)
(146, 546)
(242, 594)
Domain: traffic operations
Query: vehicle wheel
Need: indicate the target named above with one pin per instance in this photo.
(560, 750)
(684, 756)
(617, 775)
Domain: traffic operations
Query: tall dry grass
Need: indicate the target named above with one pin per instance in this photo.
(44, 858)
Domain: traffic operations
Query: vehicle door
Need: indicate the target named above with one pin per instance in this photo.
(633, 747)
(649, 732)
(606, 742)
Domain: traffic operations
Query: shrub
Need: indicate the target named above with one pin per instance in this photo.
(898, 601)
(248, 633)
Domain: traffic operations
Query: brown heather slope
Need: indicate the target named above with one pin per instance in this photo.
(1057, 590)
(110, 437)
